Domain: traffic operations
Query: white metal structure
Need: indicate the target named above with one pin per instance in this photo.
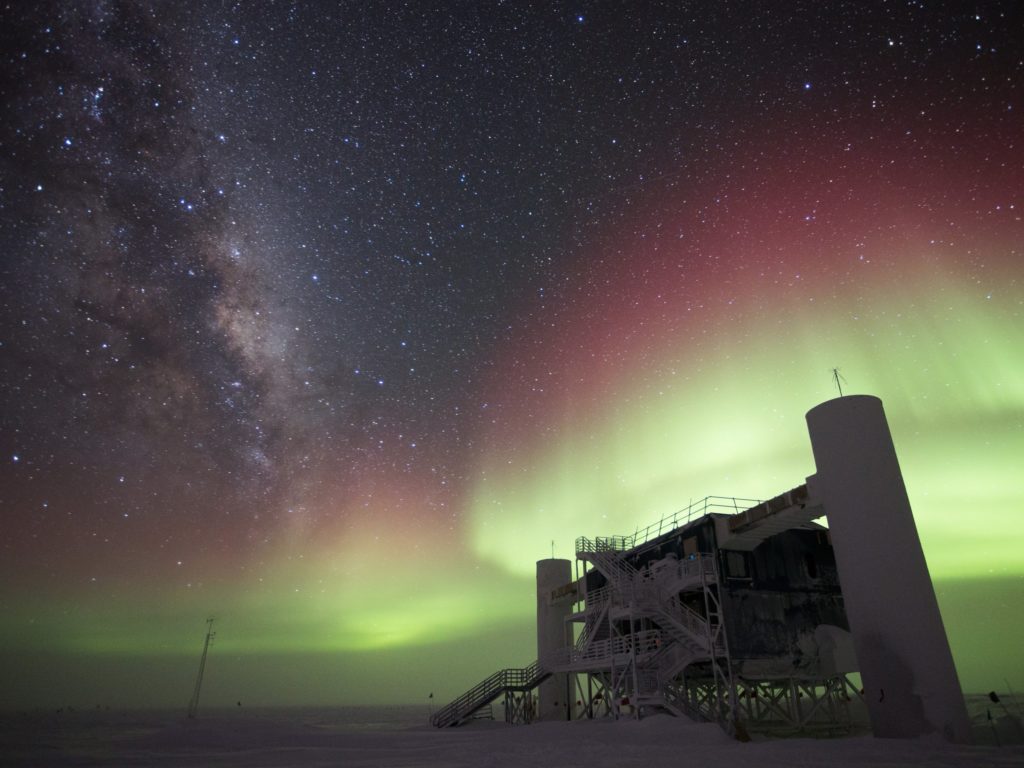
(654, 638)
(740, 612)
(639, 633)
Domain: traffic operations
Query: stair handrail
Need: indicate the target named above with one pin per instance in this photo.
(692, 622)
(645, 644)
(596, 598)
(484, 691)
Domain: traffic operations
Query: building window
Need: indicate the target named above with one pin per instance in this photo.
(736, 565)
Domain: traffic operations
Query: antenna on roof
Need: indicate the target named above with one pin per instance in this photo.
(838, 378)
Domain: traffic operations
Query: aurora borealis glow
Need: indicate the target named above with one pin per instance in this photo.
(331, 337)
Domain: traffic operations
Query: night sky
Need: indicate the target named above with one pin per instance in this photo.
(327, 319)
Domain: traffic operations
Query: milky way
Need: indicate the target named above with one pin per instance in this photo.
(330, 320)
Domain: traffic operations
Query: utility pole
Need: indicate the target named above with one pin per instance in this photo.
(193, 705)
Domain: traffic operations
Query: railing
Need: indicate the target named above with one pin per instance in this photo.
(604, 544)
(620, 573)
(597, 602)
(644, 643)
(584, 637)
(487, 690)
(596, 598)
(696, 509)
(694, 626)
(666, 574)
(647, 591)
(662, 578)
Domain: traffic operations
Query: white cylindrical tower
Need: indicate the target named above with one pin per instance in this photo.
(553, 693)
(910, 682)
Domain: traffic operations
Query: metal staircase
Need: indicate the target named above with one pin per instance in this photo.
(648, 597)
(616, 650)
(595, 626)
(620, 574)
(683, 635)
(486, 691)
(663, 636)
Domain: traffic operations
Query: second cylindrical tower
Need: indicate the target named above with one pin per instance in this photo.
(911, 685)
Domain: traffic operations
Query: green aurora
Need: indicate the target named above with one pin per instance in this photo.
(378, 615)
(339, 377)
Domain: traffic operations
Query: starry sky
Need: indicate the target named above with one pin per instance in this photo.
(328, 320)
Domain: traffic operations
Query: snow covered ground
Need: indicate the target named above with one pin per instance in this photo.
(353, 738)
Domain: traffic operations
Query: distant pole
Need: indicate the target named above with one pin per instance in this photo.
(552, 549)
(1013, 696)
(838, 378)
(994, 698)
(992, 725)
(193, 705)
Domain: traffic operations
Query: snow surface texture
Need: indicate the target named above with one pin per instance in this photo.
(260, 738)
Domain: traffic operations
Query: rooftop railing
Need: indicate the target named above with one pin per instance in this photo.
(729, 505)
(694, 511)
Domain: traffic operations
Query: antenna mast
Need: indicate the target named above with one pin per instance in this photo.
(837, 377)
(193, 705)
